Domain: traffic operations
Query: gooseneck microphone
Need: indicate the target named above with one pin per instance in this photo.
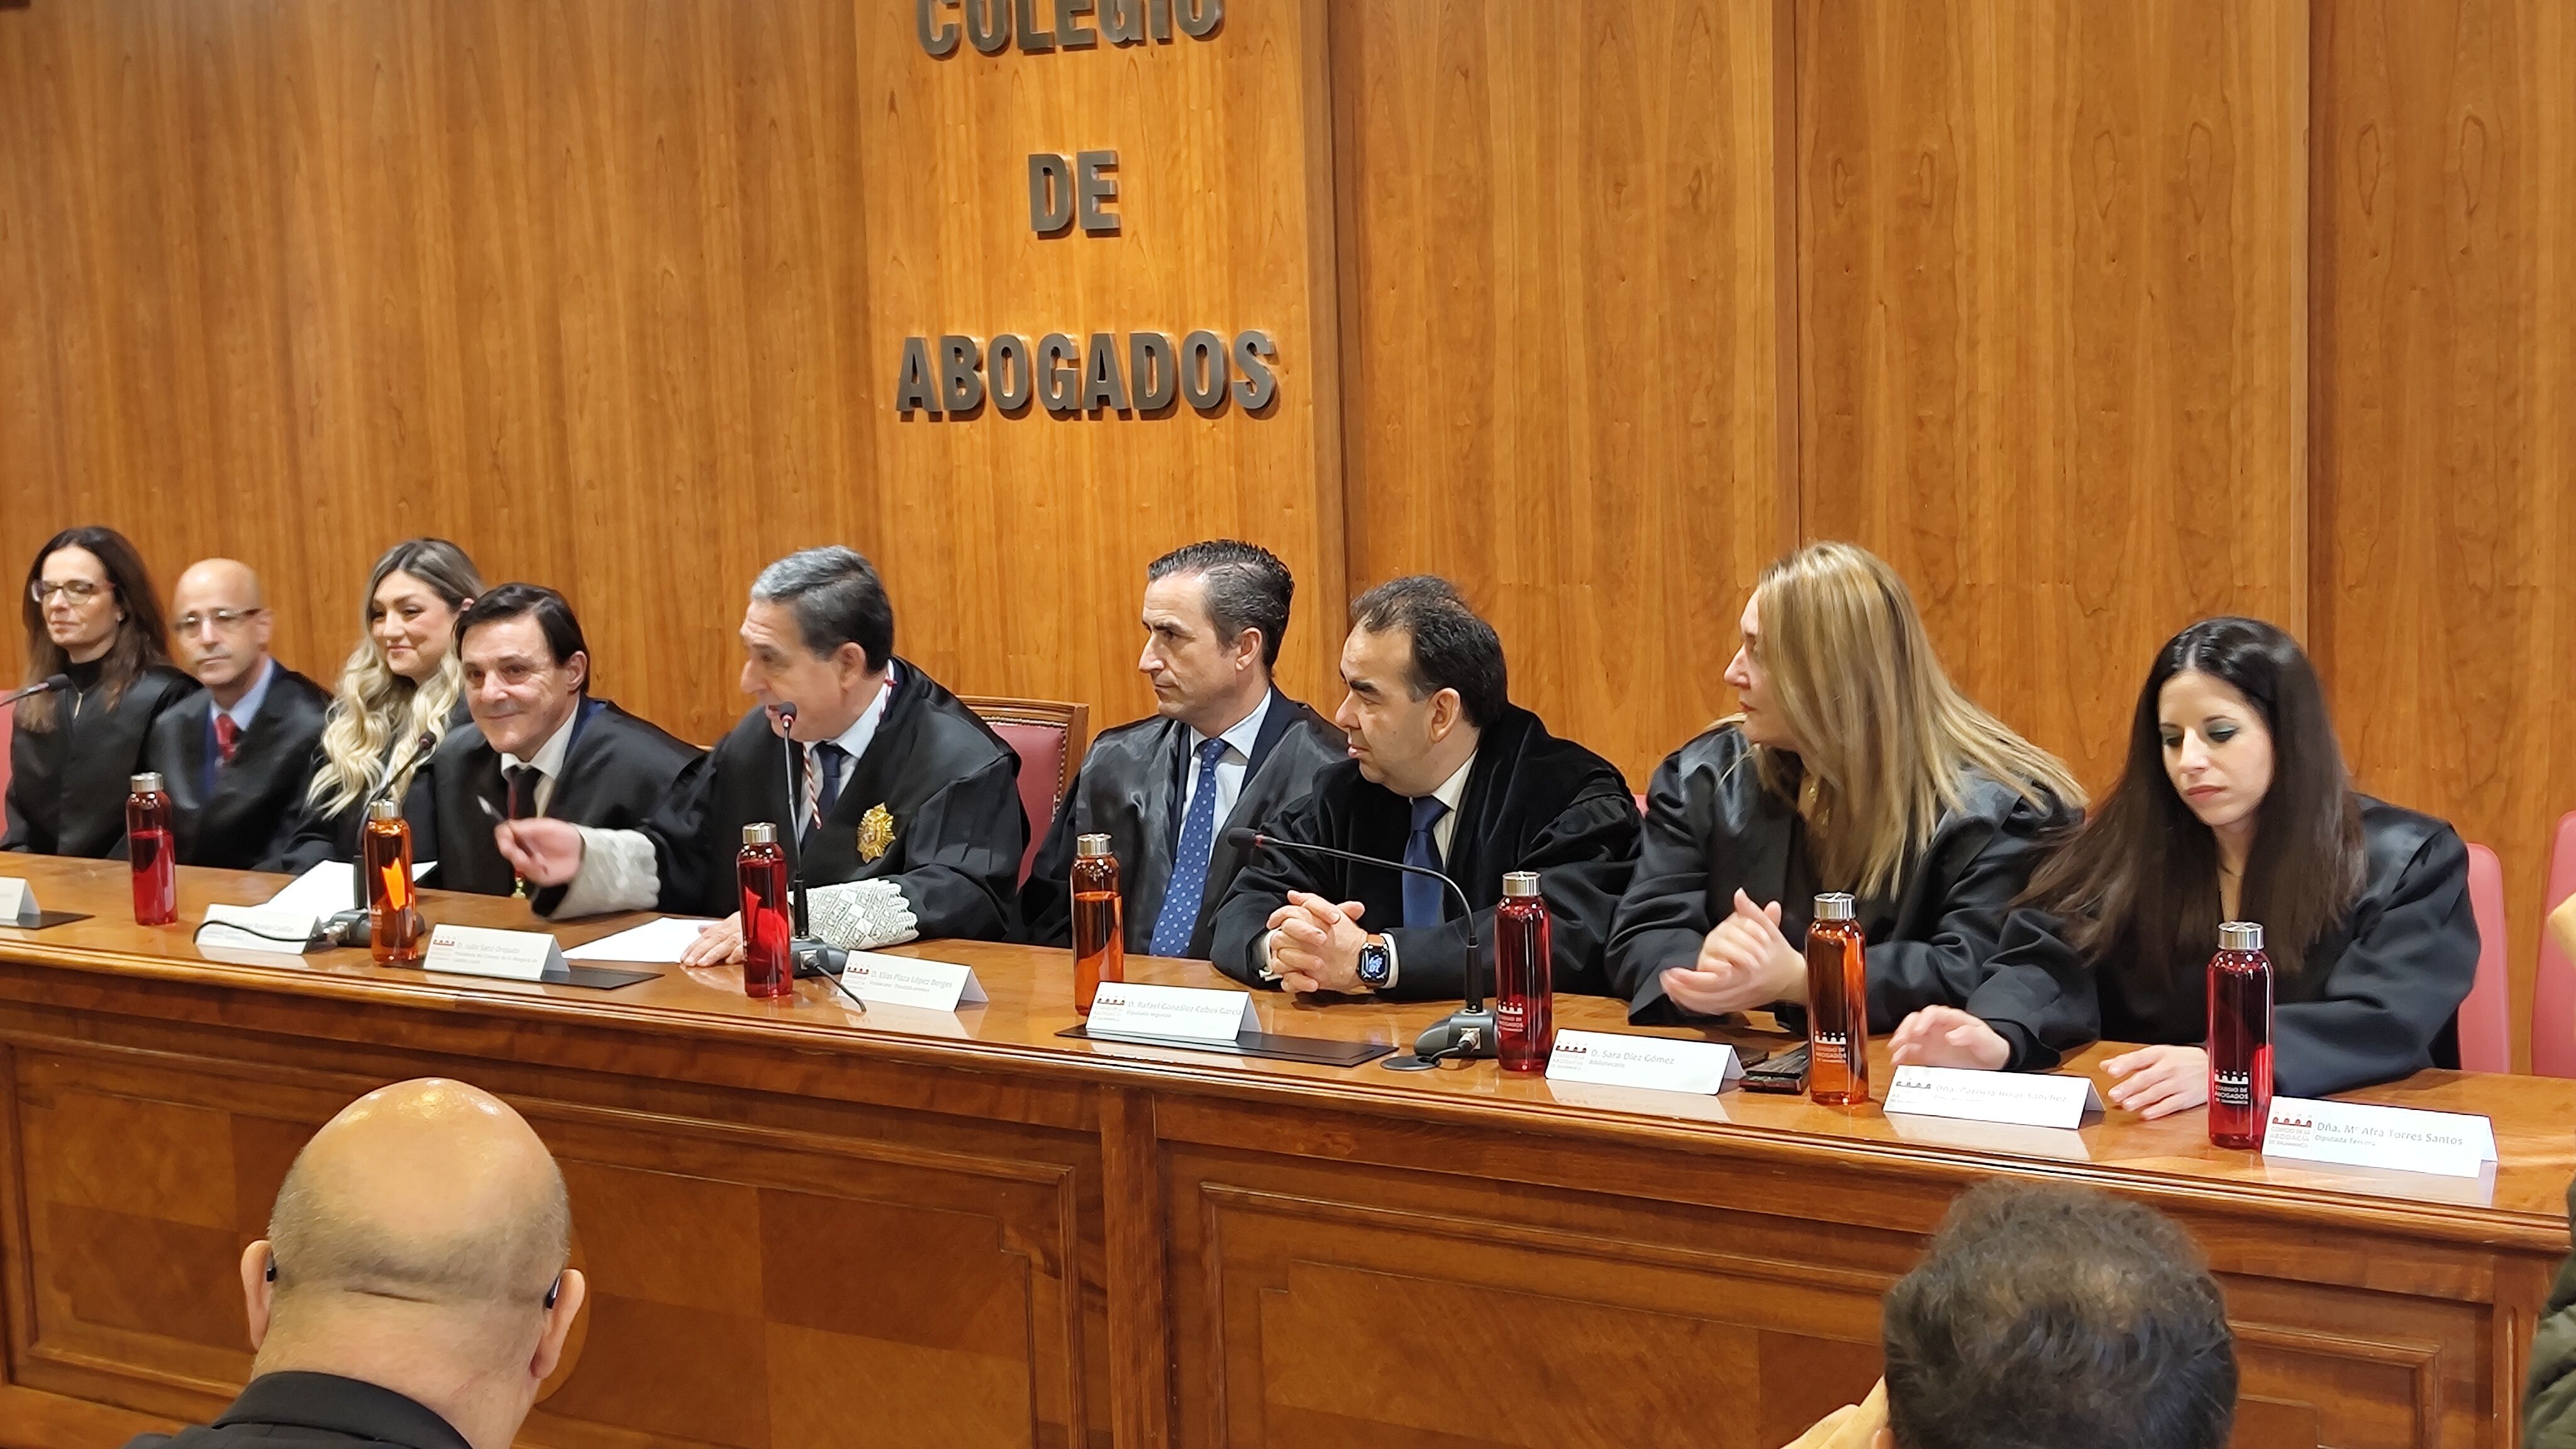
(1461, 1035)
(350, 927)
(811, 957)
(46, 685)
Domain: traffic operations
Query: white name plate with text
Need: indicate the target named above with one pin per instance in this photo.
(482, 951)
(2017, 1099)
(1187, 1013)
(903, 981)
(1656, 1063)
(2350, 1134)
(257, 928)
(18, 903)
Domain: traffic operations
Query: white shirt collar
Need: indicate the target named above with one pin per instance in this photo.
(1246, 731)
(246, 708)
(854, 741)
(550, 755)
(1454, 789)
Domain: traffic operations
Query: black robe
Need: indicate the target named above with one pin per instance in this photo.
(68, 785)
(1129, 788)
(949, 787)
(235, 816)
(1713, 829)
(318, 835)
(1533, 802)
(2376, 999)
(617, 770)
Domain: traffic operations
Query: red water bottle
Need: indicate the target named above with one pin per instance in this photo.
(767, 967)
(2240, 1038)
(1524, 1000)
(393, 902)
(1837, 1004)
(1099, 934)
(148, 850)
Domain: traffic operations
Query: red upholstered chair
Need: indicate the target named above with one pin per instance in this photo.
(2486, 1018)
(8, 726)
(1049, 737)
(2553, 993)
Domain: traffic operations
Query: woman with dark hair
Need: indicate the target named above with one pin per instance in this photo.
(399, 694)
(2235, 806)
(92, 616)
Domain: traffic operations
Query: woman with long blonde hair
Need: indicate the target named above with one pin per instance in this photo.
(401, 687)
(1853, 765)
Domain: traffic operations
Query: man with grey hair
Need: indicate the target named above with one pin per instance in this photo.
(1224, 748)
(905, 804)
(414, 1286)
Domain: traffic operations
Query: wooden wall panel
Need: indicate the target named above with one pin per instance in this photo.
(2446, 414)
(1559, 295)
(2051, 346)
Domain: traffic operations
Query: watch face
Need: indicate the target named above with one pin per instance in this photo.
(1372, 965)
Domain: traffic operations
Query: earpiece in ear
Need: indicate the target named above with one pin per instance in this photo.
(554, 1290)
(270, 1273)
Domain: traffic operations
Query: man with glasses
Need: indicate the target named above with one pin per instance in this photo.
(237, 755)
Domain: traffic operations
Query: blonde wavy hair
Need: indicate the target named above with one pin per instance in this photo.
(1885, 737)
(371, 737)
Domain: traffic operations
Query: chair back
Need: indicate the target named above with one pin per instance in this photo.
(2553, 991)
(8, 727)
(2486, 1018)
(1049, 736)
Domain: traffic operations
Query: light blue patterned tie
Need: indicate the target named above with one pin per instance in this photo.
(1190, 861)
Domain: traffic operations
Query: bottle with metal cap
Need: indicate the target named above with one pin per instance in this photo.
(2240, 1037)
(1099, 921)
(1524, 976)
(151, 852)
(1837, 1003)
(760, 870)
(393, 902)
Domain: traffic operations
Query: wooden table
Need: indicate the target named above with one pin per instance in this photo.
(804, 1226)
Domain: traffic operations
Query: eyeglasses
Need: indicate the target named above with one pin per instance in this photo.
(79, 591)
(224, 620)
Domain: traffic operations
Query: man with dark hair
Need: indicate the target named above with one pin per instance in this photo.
(905, 804)
(1224, 748)
(237, 755)
(2044, 1316)
(414, 1288)
(540, 746)
(1444, 771)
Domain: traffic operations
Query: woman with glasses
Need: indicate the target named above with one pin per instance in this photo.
(92, 617)
(399, 694)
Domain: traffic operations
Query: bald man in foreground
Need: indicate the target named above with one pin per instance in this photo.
(238, 755)
(412, 1290)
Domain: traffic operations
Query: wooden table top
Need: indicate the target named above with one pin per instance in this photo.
(2522, 1201)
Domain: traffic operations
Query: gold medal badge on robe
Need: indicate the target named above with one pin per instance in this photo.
(876, 834)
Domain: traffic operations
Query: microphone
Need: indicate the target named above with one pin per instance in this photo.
(350, 927)
(45, 685)
(811, 957)
(1462, 1035)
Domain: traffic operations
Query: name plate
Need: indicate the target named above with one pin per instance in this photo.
(18, 903)
(1190, 1013)
(257, 928)
(2017, 1099)
(482, 951)
(1656, 1063)
(903, 981)
(2351, 1134)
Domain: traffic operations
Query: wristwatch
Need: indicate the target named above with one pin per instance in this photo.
(1377, 963)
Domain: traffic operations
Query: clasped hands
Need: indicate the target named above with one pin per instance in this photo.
(548, 853)
(1317, 947)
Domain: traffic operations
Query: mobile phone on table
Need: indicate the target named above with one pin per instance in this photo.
(1786, 1072)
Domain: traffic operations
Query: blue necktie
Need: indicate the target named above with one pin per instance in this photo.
(1422, 903)
(1190, 861)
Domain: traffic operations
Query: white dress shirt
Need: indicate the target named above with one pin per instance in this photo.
(1232, 768)
(549, 759)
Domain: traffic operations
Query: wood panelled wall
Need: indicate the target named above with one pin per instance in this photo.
(2094, 316)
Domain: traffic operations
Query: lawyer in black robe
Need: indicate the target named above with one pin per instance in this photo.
(1532, 802)
(237, 815)
(2376, 999)
(943, 790)
(1712, 828)
(1130, 788)
(319, 835)
(68, 785)
(617, 770)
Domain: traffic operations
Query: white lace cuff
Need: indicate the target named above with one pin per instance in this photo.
(618, 873)
(861, 915)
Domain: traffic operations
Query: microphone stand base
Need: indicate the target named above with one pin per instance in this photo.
(1460, 1036)
(346, 928)
(816, 958)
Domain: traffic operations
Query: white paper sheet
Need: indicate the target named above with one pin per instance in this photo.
(655, 943)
